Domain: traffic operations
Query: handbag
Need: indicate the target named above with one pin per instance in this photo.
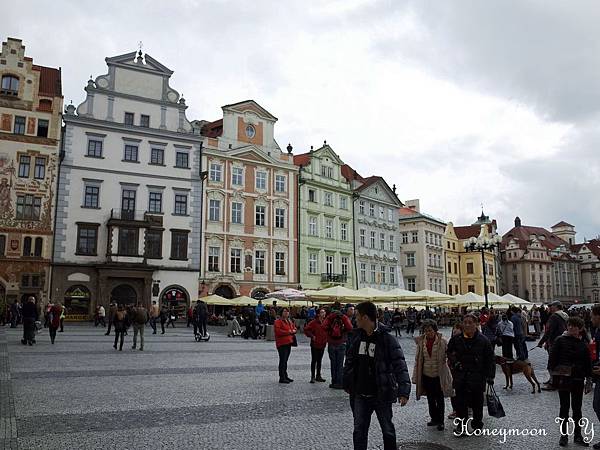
(294, 341)
(495, 408)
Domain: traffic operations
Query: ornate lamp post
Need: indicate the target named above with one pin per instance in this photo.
(481, 244)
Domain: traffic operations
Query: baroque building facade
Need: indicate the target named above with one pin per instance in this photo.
(326, 228)
(422, 251)
(129, 193)
(377, 248)
(588, 255)
(249, 216)
(30, 127)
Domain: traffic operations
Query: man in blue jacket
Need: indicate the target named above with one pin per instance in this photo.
(375, 376)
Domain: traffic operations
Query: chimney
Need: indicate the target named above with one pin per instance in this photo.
(517, 221)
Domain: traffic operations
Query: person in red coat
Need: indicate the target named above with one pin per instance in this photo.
(318, 341)
(54, 320)
(285, 337)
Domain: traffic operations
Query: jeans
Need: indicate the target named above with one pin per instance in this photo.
(284, 354)
(138, 328)
(465, 398)
(435, 398)
(119, 333)
(316, 355)
(28, 329)
(363, 408)
(574, 396)
(336, 357)
(152, 324)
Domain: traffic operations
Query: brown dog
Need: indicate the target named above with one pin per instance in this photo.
(509, 368)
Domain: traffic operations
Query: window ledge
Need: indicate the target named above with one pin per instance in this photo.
(180, 215)
(85, 254)
(90, 207)
(156, 164)
(178, 259)
(155, 213)
(153, 257)
(130, 161)
(96, 157)
(181, 167)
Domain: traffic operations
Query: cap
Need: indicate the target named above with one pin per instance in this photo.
(556, 303)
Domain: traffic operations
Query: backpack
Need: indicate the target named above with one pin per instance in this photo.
(336, 328)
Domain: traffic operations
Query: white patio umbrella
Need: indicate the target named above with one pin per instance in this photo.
(215, 299)
(370, 293)
(432, 296)
(514, 300)
(287, 294)
(335, 293)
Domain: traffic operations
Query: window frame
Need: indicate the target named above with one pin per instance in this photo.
(235, 267)
(12, 87)
(152, 202)
(92, 150)
(126, 119)
(155, 232)
(130, 150)
(237, 213)
(40, 129)
(180, 158)
(280, 182)
(260, 215)
(260, 182)
(89, 238)
(24, 166)
(180, 207)
(235, 175)
(214, 256)
(144, 121)
(156, 151)
(280, 263)
(177, 238)
(21, 123)
(91, 196)
(36, 168)
(128, 241)
(214, 205)
(280, 218)
(260, 262)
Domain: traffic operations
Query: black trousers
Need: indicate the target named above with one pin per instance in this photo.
(573, 399)
(284, 354)
(109, 326)
(410, 328)
(316, 357)
(435, 398)
(28, 329)
(507, 347)
(468, 397)
(119, 334)
(52, 331)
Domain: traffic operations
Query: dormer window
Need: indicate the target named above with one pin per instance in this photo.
(10, 85)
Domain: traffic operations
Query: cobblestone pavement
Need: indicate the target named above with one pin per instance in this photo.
(82, 394)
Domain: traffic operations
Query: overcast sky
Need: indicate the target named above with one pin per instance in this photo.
(458, 103)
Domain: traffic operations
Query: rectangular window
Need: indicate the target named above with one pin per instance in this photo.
(329, 229)
(279, 218)
(279, 263)
(449, 267)
(373, 273)
(28, 207)
(471, 288)
(261, 180)
(182, 160)
(157, 156)
(91, 198)
(235, 260)
(312, 195)
(372, 241)
(327, 171)
(213, 259)
(128, 120)
(392, 275)
(259, 262)
(237, 176)
(344, 265)
(155, 202)
(361, 207)
(128, 204)
(344, 231)
(411, 284)
(343, 202)
(24, 166)
(260, 215)
(19, 125)
(410, 260)
(363, 272)
(391, 215)
(383, 274)
(179, 245)
(2, 244)
(131, 153)
(329, 264)
(153, 245)
(312, 226)
(405, 238)
(415, 237)
(215, 172)
(362, 238)
(391, 243)
(455, 267)
(144, 121)
(312, 263)
(128, 241)
(214, 210)
(236, 212)
(382, 241)
(42, 128)
(371, 210)
(94, 148)
(469, 268)
(279, 183)
(181, 204)
(39, 171)
(87, 238)
(328, 199)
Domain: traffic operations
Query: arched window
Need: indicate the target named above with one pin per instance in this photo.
(39, 243)
(27, 246)
(10, 85)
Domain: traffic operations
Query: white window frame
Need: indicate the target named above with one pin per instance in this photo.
(215, 172)
(260, 181)
(329, 229)
(279, 217)
(363, 237)
(262, 213)
(237, 213)
(313, 263)
(344, 231)
(214, 205)
(237, 174)
(313, 228)
(280, 182)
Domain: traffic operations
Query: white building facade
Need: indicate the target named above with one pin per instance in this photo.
(129, 195)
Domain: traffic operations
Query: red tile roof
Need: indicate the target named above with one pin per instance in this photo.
(522, 233)
(593, 245)
(50, 81)
(469, 231)
(302, 159)
(349, 173)
(405, 211)
(213, 129)
(562, 223)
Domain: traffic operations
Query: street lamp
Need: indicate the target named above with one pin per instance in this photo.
(481, 244)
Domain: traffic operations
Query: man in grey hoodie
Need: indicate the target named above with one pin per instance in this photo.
(556, 326)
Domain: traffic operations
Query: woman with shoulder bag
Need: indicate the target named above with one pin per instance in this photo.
(571, 366)
(285, 338)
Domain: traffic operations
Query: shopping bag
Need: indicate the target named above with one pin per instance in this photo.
(494, 406)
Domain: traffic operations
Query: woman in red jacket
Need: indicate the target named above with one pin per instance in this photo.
(285, 336)
(318, 341)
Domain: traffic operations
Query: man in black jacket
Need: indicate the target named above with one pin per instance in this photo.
(471, 360)
(557, 325)
(375, 376)
(30, 315)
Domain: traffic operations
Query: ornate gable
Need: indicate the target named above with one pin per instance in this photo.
(136, 61)
(250, 106)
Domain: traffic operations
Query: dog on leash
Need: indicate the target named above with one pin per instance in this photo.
(517, 366)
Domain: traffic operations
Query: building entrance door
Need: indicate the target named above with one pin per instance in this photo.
(124, 294)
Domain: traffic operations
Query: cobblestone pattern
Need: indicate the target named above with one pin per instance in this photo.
(219, 395)
(8, 423)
